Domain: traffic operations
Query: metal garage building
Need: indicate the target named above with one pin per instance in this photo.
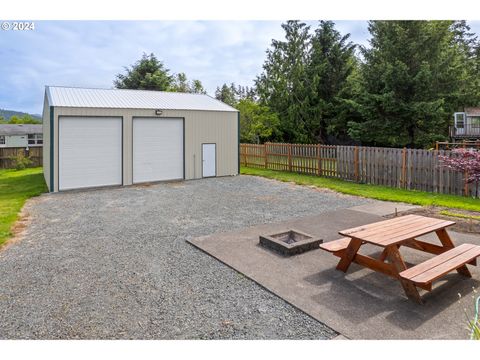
(105, 137)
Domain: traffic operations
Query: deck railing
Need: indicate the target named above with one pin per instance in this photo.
(468, 130)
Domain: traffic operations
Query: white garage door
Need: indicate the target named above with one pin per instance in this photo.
(157, 149)
(90, 152)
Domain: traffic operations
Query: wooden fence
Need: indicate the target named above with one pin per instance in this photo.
(412, 169)
(7, 156)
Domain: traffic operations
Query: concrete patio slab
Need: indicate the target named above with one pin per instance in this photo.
(384, 208)
(360, 304)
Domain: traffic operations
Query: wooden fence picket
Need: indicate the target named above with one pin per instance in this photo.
(413, 169)
(8, 155)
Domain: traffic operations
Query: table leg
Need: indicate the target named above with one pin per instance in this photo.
(396, 260)
(448, 243)
(384, 253)
(349, 254)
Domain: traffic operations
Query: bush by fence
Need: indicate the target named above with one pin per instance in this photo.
(413, 169)
(7, 156)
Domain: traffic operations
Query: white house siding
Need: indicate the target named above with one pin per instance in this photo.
(201, 126)
(15, 141)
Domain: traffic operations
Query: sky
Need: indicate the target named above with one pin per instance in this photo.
(91, 53)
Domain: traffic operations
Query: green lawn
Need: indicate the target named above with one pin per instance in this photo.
(15, 188)
(371, 191)
(462, 216)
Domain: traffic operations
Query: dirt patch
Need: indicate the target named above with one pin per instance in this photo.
(463, 225)
(19, 227)
(143, 185)
(171, 183)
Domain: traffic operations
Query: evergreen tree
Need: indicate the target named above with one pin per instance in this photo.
(414, 78)
(197, 87)
(468, 48)
(282, 85)
(148, 73)
(181, 84)
(226, 94)
(331, 62)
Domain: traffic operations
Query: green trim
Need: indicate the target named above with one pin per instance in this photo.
(52, 143)
(238, 135)
(184, 175)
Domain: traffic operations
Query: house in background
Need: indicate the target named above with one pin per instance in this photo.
(20, 135)
(466, 125)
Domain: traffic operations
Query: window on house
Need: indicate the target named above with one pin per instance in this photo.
(2, 139)
(475, 121)
(35, 139)
(459, 120)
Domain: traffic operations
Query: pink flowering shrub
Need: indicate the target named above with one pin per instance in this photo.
(466, 161)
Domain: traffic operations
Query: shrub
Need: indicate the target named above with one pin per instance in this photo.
(21, 161)
(466, 161)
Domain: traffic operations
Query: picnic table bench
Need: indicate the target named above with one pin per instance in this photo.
(390, 235)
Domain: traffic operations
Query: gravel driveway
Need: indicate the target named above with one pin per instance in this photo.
(114, 263)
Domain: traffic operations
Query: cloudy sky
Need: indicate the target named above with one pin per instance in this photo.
(90, 54)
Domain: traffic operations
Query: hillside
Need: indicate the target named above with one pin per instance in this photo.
(7, 114)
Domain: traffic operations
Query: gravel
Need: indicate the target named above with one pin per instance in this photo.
(114, 263)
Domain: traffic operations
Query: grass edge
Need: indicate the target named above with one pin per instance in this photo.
(413, 197)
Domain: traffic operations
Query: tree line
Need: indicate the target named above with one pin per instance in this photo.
(24, 119)
(401, 90)
(318, 86)
(149, 73)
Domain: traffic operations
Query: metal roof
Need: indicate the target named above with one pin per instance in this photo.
(132, 99)
(20, 129)
(472, 111)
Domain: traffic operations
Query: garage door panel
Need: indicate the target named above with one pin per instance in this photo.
(90, 152)
(157, 149)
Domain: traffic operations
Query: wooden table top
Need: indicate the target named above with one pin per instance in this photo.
(396, 230)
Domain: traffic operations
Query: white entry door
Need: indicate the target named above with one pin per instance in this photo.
(89, 152)
(209, 161)
(157, 149)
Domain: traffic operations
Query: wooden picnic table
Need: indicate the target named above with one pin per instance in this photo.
(390, 235)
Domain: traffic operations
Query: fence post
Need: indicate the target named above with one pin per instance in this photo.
(356, 163)
(265, 151)
(404, 167)
(319, 159)
(289, 157)
(465, 188)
